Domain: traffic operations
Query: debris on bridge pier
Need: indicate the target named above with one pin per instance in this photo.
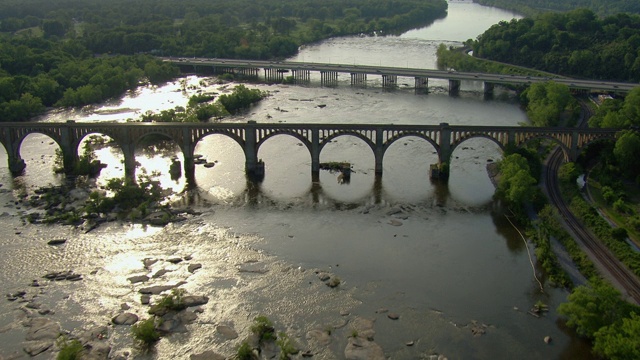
(338, 166)
(439, 171)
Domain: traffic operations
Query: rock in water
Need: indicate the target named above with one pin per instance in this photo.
(125, 319)
(56, 242)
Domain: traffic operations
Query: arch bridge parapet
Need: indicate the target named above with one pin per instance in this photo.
(367, 134)
(305, 135)
(431, 134)
(501, 136)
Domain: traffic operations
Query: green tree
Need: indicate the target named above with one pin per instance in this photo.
(516, 181)
(546, 102)
(631, 107)
(241, 98)
(619, 341)
(53, 28)
(593, 307)
(626, 152)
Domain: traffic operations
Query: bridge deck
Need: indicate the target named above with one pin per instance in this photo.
(576, 84)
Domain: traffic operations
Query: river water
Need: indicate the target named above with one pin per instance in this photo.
(442, 256)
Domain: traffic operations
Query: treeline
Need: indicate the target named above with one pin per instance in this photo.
(78, 52)
(237, 29)
(38, 73)
(532, 7)
(576, 43)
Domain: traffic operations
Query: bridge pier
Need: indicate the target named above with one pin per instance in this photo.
(358, 79)
(130, 169)
(315, 154)
(422, 84)
(389, 81)
(254, 167)
(189, 160)
(301, 76)
(69, 151)
(378, 153)
(454, 87)
(273, 75)
(329, 78)
(16, 165)
(249, 72)
(441, 169)
(488, 88)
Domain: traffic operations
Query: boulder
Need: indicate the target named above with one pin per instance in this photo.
(207, 355)
(42, 329)
(56, 242)
(227, 332)
(34, 348)
(125, 319)
(155, 290)
(193, 267)
(138, 279)
(362, 349)
(194, 300)
(319, 337)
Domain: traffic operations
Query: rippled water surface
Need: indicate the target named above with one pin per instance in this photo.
(442, 256)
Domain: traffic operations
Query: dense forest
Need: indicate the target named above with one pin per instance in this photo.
(77, 52)
(575, 43)
(533, 7)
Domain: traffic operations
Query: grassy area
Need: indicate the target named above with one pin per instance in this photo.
(620, 219)
(458, 59)
(35, 31)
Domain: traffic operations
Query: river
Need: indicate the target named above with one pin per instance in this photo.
(443, 257)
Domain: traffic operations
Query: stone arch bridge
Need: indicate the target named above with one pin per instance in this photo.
(251, 135)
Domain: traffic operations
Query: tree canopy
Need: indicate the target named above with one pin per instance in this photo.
(516, 182)
(596, 311)
(546, 103)
(78, 52)
(618, 113)
(575, 43)
(532, 7)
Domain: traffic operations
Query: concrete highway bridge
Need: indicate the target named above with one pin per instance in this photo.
(250, 136)
(275, 71)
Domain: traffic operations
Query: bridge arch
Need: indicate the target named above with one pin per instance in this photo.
(158, 156)
(200, 134)
(457, 143)
(367, 140)
(287, 179)
(112, 143)
(585, 141)
(404, 135)
(305, 141)
(41, 151)
(51, 135)
(219, 165)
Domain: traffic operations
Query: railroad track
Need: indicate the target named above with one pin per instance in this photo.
(598, 252)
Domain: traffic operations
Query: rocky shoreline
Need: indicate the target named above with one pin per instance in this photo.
(347, 336)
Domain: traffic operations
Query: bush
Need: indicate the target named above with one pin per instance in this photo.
(69, 350)
(263, 327)
(145, 332)
(174, 301)
(619, 233)
(287, 347)
(245, 352)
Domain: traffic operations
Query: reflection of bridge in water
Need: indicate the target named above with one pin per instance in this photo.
(254, 195)
(250, 136)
